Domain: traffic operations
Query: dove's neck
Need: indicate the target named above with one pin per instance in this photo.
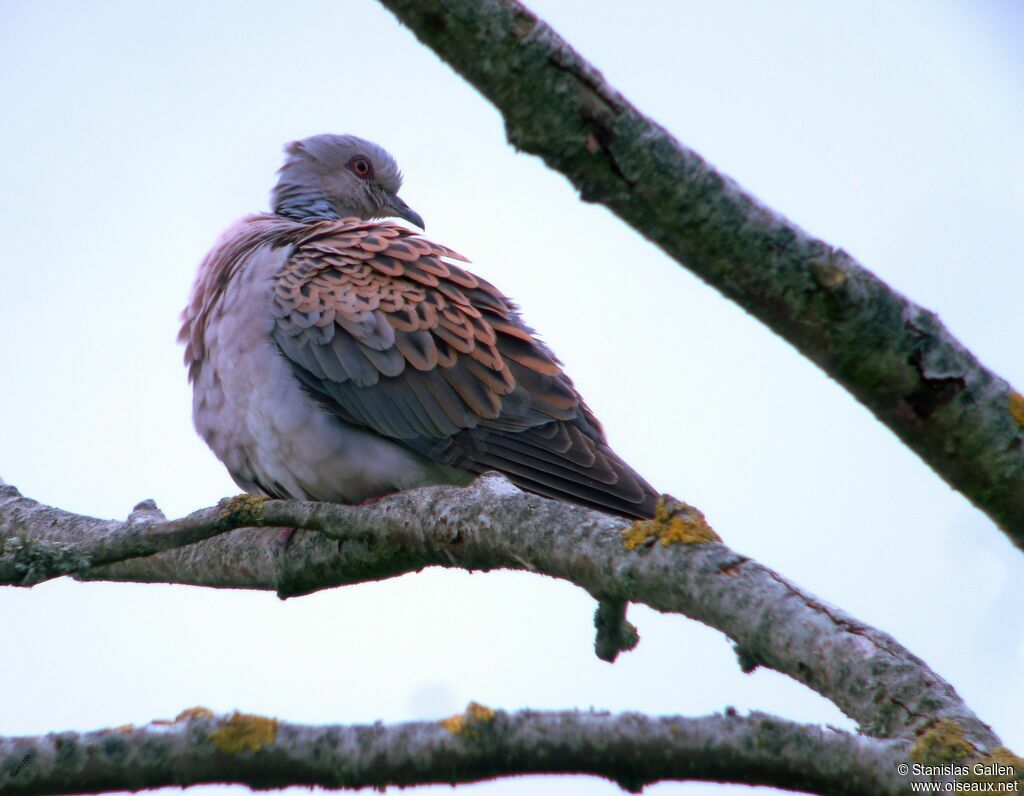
(301, 202)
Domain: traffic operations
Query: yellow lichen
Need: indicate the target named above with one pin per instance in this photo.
(674, 521)
(193, 713)
(1005, 757)
(465, 723)
(828, 275)
(243, 504)
(1002, 766)
(185, 714)
(480, 714)
(244, 732)
(1017, 407)
(124, 728)
(453, 723)
(943, 743)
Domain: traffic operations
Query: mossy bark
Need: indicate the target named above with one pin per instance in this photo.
(492, 524)
(894, 356)
(629, 749)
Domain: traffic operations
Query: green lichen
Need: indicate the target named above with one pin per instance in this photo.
(244, 732)
(36, 561)
(674, 521)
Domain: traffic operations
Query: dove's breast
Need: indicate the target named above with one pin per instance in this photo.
(269, 432)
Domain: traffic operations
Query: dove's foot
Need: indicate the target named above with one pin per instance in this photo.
(371, 500)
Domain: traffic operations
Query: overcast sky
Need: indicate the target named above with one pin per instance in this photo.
(133, 132)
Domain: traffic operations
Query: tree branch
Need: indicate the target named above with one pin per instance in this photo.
(42, 542)
(629, 749)
(892, 355)
(491, 524)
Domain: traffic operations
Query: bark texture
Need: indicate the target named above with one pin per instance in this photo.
(668, 564)
(629, 749)
(894, 356)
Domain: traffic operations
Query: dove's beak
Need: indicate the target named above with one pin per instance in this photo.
(399, 208)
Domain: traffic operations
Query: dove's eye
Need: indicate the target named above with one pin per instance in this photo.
(361, 167)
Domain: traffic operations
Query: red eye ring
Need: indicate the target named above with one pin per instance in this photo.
(361, 167)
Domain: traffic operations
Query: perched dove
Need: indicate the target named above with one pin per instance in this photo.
(334, 357)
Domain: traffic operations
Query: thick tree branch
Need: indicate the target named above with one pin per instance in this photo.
(630, 749)
(892, 355)
(491, 524)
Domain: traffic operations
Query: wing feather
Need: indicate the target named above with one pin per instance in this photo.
(387, 332)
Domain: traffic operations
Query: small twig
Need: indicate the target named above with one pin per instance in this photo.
(615, 633)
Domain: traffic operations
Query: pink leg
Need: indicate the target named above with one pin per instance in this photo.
(286, 534)
(371, 500)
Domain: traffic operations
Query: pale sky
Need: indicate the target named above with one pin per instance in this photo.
(133, 132)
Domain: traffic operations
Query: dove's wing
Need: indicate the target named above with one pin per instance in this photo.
(386, 331)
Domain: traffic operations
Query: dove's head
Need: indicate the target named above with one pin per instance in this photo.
(335, 176)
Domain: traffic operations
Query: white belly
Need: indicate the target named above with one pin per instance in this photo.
(270, 434)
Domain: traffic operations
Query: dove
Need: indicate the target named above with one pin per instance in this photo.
(336, 355)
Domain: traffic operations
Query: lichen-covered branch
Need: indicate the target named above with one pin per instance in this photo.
(672, 563)
(894, 356)
(630, 749)
(39, 542)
